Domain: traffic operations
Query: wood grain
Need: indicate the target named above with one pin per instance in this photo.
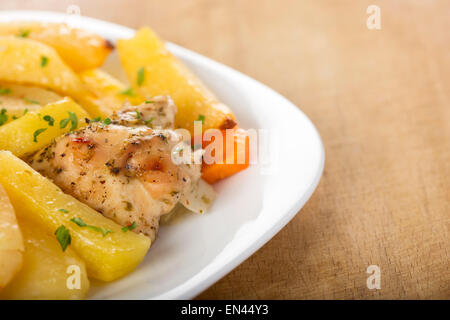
(379, 98)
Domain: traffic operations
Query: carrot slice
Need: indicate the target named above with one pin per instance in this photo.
(234, 160)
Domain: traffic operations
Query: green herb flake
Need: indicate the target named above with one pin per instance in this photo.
(97, 119)
(149, 121)
(138, 114)
(5, 90)
(38, 132)
(130, 227)
(149, 101)
(25, 111)
(30, 101)
(24, 33)
(201, 118)
(128, 92)
(3, 117)
(63, 236)
(44, 61)
(63, 123)
(79, 222)
(63, 210)
(107, 121)
(140, 76)
(102, 230)
(50, 120)
(74, 120)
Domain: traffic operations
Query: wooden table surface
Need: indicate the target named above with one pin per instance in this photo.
(380, 100)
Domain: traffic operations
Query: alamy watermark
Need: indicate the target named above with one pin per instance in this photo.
(373, 22)
(73, 281)
(374, 280)
(231, 146)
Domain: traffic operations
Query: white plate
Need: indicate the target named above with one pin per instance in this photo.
(251, 206)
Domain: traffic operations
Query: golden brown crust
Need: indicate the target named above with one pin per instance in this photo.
(109, 45)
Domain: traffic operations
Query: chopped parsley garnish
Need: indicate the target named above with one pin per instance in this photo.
(30, 101)
(23, 33)
(3, 117)
(140, 76)
(149, 101)
(25, 111)
(130, 227)
(50, 120)
(63, 210)
(97, 119)
(79, 222)
(14, 117)
(44, 61)
(38, 132)
(149, 121)
(128, 92)
(138, 114)
(63, 236)
(201, 118)
(107, 121)
(63, 123)
(5, 90)
(72, 118)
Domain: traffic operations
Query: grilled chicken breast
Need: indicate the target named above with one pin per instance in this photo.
(123, 169)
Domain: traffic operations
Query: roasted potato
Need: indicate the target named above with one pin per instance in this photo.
(80, 49)
(47, 272)
(152, 71)
(108, 251)
(18, 99)
(11, 242)
(30, 62)
(36, 129)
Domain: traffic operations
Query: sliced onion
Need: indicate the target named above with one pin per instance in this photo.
(200, 197)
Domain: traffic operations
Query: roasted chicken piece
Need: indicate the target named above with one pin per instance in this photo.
(123, 169)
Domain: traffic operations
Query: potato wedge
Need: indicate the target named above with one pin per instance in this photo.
(31, 62)
(11, 241)
(10, 266)
(36, 198)
(79, 49)
(26, 61)
(19, 99)
(152, 71)
(47, 272)
(20, 136)
(109, 92)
